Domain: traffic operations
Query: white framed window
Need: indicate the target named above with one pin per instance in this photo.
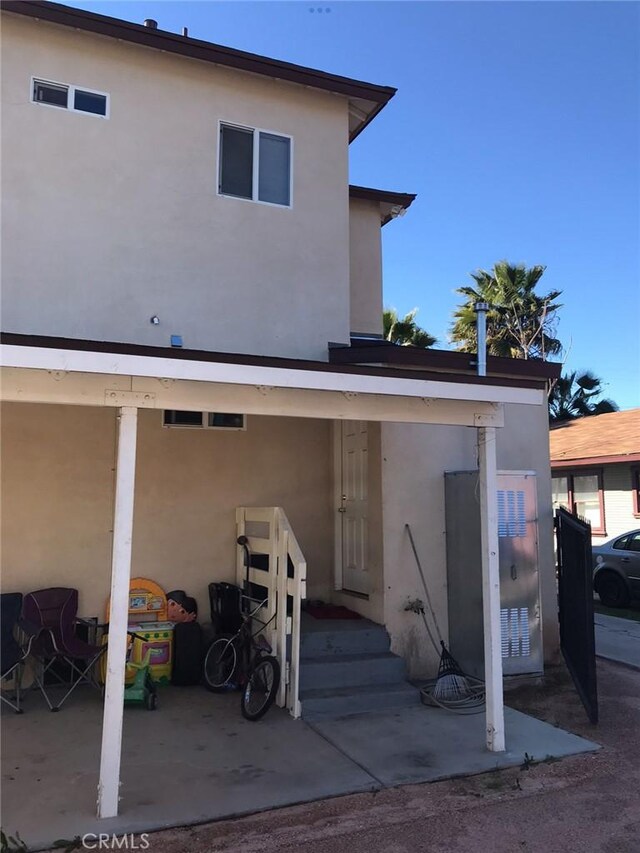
(65, 96)
(255, 164)
(203, 420)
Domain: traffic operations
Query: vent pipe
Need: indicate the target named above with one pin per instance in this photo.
(481, 309)
(185, 32)
(149, 22)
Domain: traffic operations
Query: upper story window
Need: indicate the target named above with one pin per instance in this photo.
(255, 165)
(68, 97)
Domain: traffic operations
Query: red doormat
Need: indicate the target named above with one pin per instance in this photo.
(331, 611)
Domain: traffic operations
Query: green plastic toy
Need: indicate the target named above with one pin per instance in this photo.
(142, 691)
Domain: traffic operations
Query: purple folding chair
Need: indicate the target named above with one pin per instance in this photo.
(12, 652)
(51, 615)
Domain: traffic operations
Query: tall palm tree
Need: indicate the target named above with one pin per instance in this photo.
(520, 322)
(573, 396)
(405, 331)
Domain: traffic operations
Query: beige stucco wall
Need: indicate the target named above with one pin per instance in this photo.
(57, 498)
(365, 266)
(414, 460)
(109, 222)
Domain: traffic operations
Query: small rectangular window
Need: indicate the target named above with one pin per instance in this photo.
(90, 102)
(203, 420)
(176, 417)
(54, 94)
(255, 165)
(75, 99)
(218, 420)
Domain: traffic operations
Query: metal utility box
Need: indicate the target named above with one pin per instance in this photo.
(519, 577)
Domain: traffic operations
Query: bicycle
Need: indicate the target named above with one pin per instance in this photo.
(244, 659)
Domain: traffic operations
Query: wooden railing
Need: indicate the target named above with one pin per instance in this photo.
(284, 575)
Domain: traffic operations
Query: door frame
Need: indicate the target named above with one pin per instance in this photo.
(337, 503)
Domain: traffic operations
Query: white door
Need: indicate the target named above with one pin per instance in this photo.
(353, 507)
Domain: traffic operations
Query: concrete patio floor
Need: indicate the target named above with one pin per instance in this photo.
(196, 759)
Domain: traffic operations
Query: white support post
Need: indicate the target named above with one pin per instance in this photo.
(491, 588)
(109, 784)
(281, 613)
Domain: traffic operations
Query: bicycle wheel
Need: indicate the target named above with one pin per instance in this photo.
(260, 690)
(219, 665)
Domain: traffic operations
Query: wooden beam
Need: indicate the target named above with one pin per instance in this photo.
(153, 367)
(491, 589)
(82, 389)
(109, 784)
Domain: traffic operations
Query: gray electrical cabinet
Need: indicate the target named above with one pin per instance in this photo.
(519, 577)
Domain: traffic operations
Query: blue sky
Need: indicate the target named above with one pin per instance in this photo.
(516, 123)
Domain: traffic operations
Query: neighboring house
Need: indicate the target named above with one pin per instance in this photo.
(595, 463)
(192, 324)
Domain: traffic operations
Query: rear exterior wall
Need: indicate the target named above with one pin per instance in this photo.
(414, 461)
(58, 488)
(109, 222)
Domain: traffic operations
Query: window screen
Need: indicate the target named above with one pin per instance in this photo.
(228, 421)
(50, 93)
(560, 492)
(175, 417)
(236, 161)
(274, 169)
(586, 498)
(88, 102)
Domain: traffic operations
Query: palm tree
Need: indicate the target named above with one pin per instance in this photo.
(405, 331)
(520, 322)
(573, 396)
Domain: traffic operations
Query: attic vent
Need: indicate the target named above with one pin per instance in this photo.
(149, 22)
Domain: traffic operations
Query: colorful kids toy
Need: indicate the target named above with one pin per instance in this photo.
(142, 690)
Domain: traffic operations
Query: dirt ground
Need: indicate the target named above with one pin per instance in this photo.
(578, 805)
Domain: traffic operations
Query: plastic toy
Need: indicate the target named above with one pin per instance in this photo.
(142, 691)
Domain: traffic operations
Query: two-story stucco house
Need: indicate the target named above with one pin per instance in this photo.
(192, 348)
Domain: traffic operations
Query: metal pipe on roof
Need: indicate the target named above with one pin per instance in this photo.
(481, 309)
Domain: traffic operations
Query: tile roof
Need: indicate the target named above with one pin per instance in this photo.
(614, 437)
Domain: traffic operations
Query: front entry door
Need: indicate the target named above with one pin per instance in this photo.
(353, 506)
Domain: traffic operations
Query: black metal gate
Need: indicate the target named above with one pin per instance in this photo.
(575, 601)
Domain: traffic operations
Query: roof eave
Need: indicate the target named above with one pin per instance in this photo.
(169, 42)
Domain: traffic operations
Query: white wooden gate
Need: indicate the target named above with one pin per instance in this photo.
(284, 574)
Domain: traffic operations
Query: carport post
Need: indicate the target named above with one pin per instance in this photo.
(109, 784)
(491, 588)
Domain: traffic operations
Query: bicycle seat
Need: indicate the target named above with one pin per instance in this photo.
(262, 643)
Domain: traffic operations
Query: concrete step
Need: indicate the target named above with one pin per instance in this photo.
(319, 704)
(370, 639)
(339, 671)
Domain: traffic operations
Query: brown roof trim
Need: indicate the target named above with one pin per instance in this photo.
(402, 200)
(384, 352)
(593, 461)
(117, 28)
(369, 194)
(77, 344)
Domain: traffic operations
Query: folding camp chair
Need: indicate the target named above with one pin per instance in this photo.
(12, 653)
(51, 615)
